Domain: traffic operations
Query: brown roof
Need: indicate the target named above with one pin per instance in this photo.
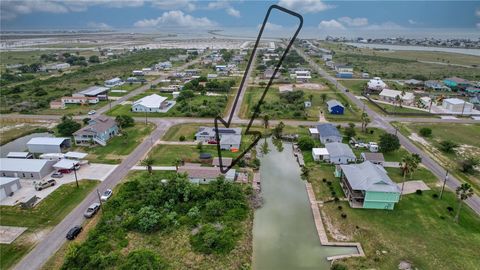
(100, 125)
(226, 161)
(373, 156)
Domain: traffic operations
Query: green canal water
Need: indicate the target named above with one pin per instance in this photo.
(284, 233)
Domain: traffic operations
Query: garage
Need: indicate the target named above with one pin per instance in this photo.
(8, 185)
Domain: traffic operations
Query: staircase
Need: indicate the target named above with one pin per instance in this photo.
(99, 141)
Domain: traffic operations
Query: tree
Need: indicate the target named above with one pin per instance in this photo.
(266, 119)
(213, 239)
(323, 96)
(94, 59)
(389, 142)
(467, 165)
(448, 146)
(177, 163)
(409, 165)
(264, 148)
(306, 143)
(426, 132)
(365, 121)
(464, 192)
(305, 172)
(68, 126)
(144, 259)
(148, 219)
(350, 130)
(124, 121)
(148, 162)
(200, 146)
(278, 130)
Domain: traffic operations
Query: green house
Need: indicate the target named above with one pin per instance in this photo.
(368, 186)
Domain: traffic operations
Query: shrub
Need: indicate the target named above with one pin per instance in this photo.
(329, 183)
(324, 180)
(211, 239)
(389, 142)
(336, 199)
(467, 165)
(333, 193)
(435, 196)
(447, 146)
(344, 215)
(450, 209)
(418, 192)
(148, 219)
(306, 143)
(143, 259)
(442, 217)
(426, 132)
(182, 138)
(338, 266)
(340, 207)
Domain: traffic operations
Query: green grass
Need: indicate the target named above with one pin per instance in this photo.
(47, 213)
(17, 132)
(118, 147)
(167, 154)
(75, 109)
(421, 173)
(187, 130)
(127, 87)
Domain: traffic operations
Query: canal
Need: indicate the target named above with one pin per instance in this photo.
(284, 233)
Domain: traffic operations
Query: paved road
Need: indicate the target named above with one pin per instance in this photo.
(383, 122)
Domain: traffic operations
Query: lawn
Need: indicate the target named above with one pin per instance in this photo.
(166, 155)
(75, 109)
(126, 87)
(46, 214)
(420, 229)
(187, 130)
(119, 146)
(279, 108)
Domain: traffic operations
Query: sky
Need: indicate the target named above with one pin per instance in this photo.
(320, 17)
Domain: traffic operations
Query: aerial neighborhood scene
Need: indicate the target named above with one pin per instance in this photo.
(217, 134)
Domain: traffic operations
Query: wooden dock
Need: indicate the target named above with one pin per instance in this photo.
(322, 234)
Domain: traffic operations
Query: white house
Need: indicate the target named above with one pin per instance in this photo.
(376, 84)
(138, 73)
(113, 82)
(320, 154)
(301, 76)
(456, 105)
(230, 141)
(390, 95)
(151, 103)
(340, 153)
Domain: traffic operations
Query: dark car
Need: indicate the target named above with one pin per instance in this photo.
(74, 232)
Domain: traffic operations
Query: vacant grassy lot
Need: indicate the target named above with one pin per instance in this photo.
(166, 155)
(75, 109)
(119, 146)
(125, 87)
(416, 231)
(15, 130)
(45, 215)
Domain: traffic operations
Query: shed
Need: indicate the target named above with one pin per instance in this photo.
(313, 133)
(456, 105)
(8, 185)
(65, 164)
(320, 154)
(48, 144)
(25, 168)
(75, 155)
(228, 142)
(335, 107)
(375, 158)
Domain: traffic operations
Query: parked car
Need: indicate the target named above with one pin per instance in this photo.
(57, 175)
(91, 210)
(107, 194)
(92, 112)
(45, 184)
(67, 171)
(74, 232)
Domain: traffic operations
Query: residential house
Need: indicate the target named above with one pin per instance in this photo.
(99, 130)
(375, 158)
(151, 103)
(368, 186)
(456, 83)
(207, 134)
(57, 105)
(472, 90)
(344, 75)
(341, 68)
(335, 107)
(456, 105)
(220, 68)
(268, 73)
(328, 133)
(435, 85)
(320, 154)
(164, 65)
(138, 73)
(340, 153)
(48, 144)
(390, 95)
(376, 84)
(365, 75)
(25, 168)
(230, 141)
(94, 91)
(327, 57)
(191, 72)
(413, 82)
(205, 175)
(78, 100)
(225, 161)
(301, 76)
(114, 82)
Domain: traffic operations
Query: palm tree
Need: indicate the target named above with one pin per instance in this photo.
(365, 121)
(266, 119)
(402, 94)
(323, 97)
(310, 97)
(177, 163)
(148, 162)
(464, 192)
(406, 167)
(414, 162)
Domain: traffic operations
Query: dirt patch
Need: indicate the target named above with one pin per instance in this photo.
(332, 230)
(415, 137)
(8, 234)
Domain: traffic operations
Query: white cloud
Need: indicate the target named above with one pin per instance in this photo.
(187, 5)
(271, 26)
(99, 25)
(410, 21)
(233, 12)
(305, 6)
(176, 18)
(354, 21)
(477, 12)
(331, 24)
(384, 26)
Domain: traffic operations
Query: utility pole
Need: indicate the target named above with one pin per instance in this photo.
(145, 117)
(75, 172)
(99, 198)
(443, 187)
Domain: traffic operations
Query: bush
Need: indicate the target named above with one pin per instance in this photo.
(333, 193)
(418, 192)
(329, 183)
(426, 132)
(338, 266)
(213, 239)
(124, 121)
(68, 126)
(447, 146)
(336, 199)
(435, 196)
(450, 209)
(148, 219)
(324, 180)
(306, 143)
(340, 207)
(182, 138)
(389, 143)
(344, 215)
(467, 165)
(144, 259)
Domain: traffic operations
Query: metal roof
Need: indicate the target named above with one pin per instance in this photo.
(94, 91)
(65, 164)
(336, 149)
(230, 139)
(151, 101)
(368, 177)
(6, 180)
(455, 101)
(22, 165)
(327, 130)
(320, 151)
(76, 155)
(18, 154)
(332, 103)
(46, 141)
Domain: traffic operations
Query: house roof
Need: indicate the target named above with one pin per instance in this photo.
(332, 103)
(336, 149)
(376, 83)
(151, 101)
(114, 80)
(7, 180)
(313, 130)
(94, 90)
(455, 101)
(457, 80)
(230, 139)
(210, 131)
(22, 165)
(226, 161)
(413, 81)
(65, 164)
(46, 141)
(205, 172)
(320, 151)
(18, 154)
(327, 130)
(368, 177)
(75, 155)
(373, 156)
(394, 93)
(97, 125)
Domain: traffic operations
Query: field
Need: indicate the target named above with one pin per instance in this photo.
(467, 136)
(13, 130)
(17, 98)
(279, 108)
(118, 147)
(74, 109)
(126, 87)
(416, 231)
(40, 219)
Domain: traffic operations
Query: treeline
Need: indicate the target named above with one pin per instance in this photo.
(209, 85)
(147, 205)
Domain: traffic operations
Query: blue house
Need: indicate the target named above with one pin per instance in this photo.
(98, 130)
(335, 107)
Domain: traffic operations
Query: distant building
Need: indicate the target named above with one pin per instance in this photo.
(365, 75)
(328, 133)
(79, 100)
(268, 73)
(340, 153)
(335, 107)
(414, 82)
(390, 95)
(472, 90)
(368, 186)
(301, 76)
(341, 68)
(456, 83)
(151, 103)
(376, 84)
(94, 91)
(114, 82)
(283, 88)
(98, 130)
(138, 73)
(456, 105)
(57, 105)
(48, 144)
(327, 57)
(435, 85)
(205, 175)
(344, 75)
